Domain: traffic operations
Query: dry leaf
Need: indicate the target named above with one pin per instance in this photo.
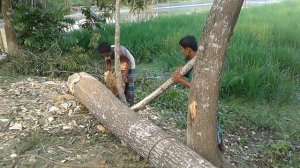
(67, 97)
(50, 119)
(65, 106)
(4, 119)
(13, 155)
(70, 113)
(53, 109)
(16, 126)
(101, 128)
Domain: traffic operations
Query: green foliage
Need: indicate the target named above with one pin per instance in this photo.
(39, 28)
(136, 6)
(52, 62)
(81, 38)
(30, 142)
(53, 4)
(92, 20)
(262, 62)
(174, 105)
(274, 153)
(106, 6)
(155, 39)
(283, 119)
(276, 127)
(264, 54)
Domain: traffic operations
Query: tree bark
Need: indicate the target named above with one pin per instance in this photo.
(162, 88)
(117, 55)
(204, 93)
(33, 4)
(144, 137)
(11, 38)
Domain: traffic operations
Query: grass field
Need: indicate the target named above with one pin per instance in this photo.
(263, 56)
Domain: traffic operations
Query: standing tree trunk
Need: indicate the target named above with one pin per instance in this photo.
(33, 4)
(204, 93)
(11, 38)
(117, 55)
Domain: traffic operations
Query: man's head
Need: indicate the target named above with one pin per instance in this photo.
(105, 49)
(188, 45)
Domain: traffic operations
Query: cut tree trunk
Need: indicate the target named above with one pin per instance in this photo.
(144, 137)
(163, 87)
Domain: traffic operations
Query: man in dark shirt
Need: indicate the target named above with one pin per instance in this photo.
(189, 47)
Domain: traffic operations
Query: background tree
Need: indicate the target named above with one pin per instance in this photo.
(11, 38)
(117, 55)
(204, 93)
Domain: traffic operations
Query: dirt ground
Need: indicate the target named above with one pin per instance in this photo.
(42, 125)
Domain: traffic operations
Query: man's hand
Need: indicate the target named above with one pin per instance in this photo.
(177, 76)
(105, 75)
(125, 80)
(124, 76)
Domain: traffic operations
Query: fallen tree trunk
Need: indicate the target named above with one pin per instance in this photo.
(162, 88)
(144, 137)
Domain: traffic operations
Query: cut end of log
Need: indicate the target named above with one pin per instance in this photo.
(73, 79)
(86, 75)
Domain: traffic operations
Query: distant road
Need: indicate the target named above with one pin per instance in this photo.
(175, 6)
(172, 7)
(188, 5)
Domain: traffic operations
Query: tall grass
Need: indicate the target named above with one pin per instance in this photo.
(263, 56)
(157, 37)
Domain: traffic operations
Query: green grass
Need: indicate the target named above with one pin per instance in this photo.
(276, 126)
(263, 56)
(264, 53)
(156, 38)
(283, 120)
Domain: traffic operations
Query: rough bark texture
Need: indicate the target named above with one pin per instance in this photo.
(204, 93)
(147, 139)
(11, 38)
(162, 88)
(117, 55)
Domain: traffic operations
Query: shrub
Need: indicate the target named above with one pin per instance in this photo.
(39, 28)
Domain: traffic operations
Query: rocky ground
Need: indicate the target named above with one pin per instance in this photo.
(42, 125)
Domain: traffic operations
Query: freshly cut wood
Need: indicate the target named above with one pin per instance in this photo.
(144, 137)
(163, 87)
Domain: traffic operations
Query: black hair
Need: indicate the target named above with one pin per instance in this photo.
(189, 41)
(104, 47)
